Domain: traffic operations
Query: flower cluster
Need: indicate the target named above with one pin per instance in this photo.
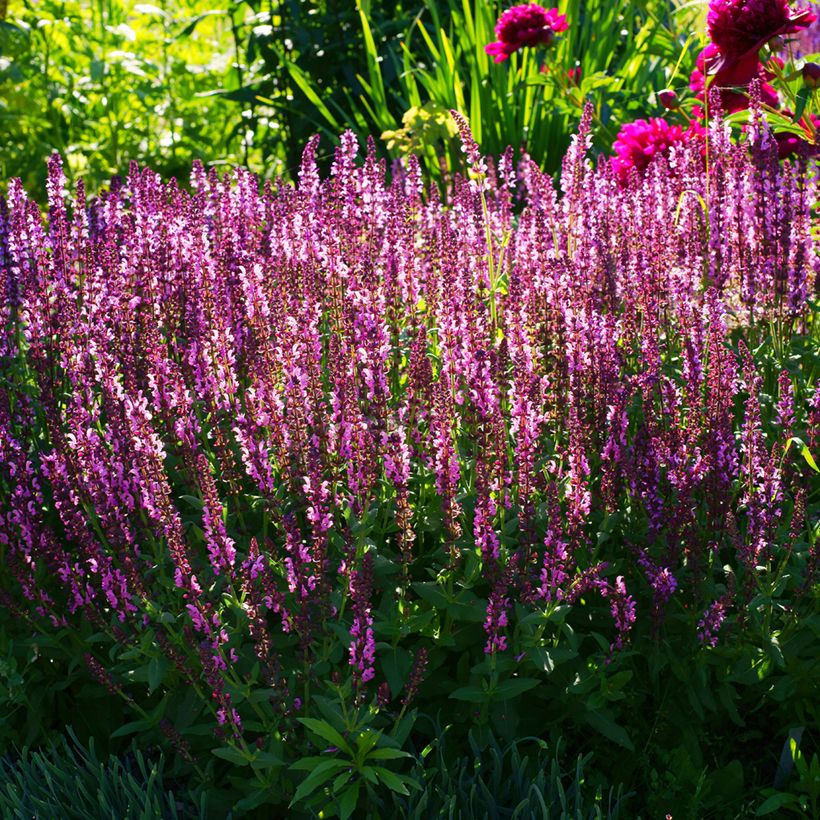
(525, 26)
(244, 424)
(738, 31)
(740, 28)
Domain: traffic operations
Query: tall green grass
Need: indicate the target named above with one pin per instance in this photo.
(625, 53)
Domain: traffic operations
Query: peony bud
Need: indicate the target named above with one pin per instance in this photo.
(668, 99)
(811, 75)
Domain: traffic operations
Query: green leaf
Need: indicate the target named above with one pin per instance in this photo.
(365, 742)
(130, 728)
(391, 780)
(474, 694)
(341, 780)
(775, 802)
(802, 98)
(396, 664)
(303, 81)
(321, 774)
(387, 754)
(156, 672)
(327, 732)
(308, 764)
(602, 723)
(515, 686)
(243, 94)
(266, 760)
(255, 799)
(231, 754)
(431, 592)
(347, 804)
(806, 453)
(548, 659)
(402, 731)
(189, 29)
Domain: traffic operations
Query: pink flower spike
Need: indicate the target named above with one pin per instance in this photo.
(527, 25)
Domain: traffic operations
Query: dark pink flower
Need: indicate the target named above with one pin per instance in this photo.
(740, 28)
(525, 25)
(730, 79)
(639, 142)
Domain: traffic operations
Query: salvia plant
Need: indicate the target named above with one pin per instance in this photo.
(285, 466)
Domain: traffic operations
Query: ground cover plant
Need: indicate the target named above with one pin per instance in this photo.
(388, 492)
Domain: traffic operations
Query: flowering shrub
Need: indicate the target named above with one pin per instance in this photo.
(287, 467)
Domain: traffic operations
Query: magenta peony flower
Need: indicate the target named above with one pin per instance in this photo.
(740, 28)
(639, 142)
(525, 25)
(729, 79)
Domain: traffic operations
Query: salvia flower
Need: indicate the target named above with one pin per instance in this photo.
(740, 28)
(710, 623)
(416, 677)
(478, 165)
(527, 25)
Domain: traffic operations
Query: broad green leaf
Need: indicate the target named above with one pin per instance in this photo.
(348, 801)
(387, 754)
(321, 774)
(266, 760)
(326, 731)
(189, 29)
(157, 668)
(602, 723)
(391, 780)
(365, 742)
(231, 754)
(806, 453)
(474, 694)
(255, 799)
(515, 686)
(130, 728)
(775, 802)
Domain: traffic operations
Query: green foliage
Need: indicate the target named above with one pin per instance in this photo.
(802, 799)
(523, 779)
(624, 52)
(105, 83)
(71, 781)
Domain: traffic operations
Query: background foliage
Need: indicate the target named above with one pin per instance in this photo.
(249, 81)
